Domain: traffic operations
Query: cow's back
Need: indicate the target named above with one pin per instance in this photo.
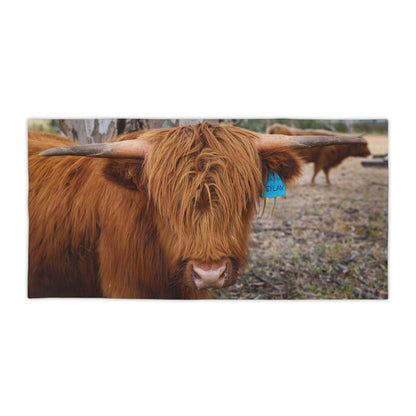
(280, 129)
(63, 228)
(91, 232)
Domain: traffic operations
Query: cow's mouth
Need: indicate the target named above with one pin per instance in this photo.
(210, 275)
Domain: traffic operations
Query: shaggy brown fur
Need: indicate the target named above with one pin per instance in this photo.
(324, 158)
(127, 228)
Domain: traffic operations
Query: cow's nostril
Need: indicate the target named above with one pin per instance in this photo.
(195, 276)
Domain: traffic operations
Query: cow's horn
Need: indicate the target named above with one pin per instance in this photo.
(269, 141)
(134, 149)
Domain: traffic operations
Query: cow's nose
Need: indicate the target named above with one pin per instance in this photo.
(207, 276)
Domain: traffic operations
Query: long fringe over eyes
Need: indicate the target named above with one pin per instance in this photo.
(205, 181)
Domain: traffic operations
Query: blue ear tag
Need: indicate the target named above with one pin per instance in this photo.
(274, 186)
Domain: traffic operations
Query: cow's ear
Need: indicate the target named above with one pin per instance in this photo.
(124, 172)
(283, 161)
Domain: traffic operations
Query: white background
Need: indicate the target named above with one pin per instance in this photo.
(241, 59)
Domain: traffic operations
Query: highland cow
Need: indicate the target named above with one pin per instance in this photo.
(324, 158)
(159, 214)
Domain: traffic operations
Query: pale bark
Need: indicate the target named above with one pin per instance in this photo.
(89, 130)
(100, 130)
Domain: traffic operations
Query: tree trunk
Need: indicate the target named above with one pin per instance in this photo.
(350, 125)
(89, 130)
(101, 130)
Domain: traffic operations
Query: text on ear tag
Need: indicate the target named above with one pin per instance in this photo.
(274, 186)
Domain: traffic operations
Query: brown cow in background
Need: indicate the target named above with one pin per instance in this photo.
(324, 158)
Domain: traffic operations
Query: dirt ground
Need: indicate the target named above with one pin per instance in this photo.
(322, 242)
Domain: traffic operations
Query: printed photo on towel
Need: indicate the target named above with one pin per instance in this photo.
(208, 208)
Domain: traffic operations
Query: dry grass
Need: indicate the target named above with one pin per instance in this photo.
(322, 242)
